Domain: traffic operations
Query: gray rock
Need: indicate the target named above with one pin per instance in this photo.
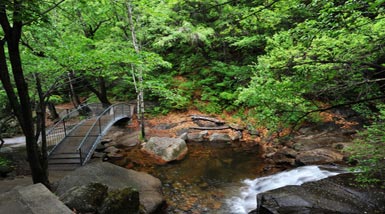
(99, 155)
(197, 137)
(203, 123)
(220, 137)
(112, 149)
(290, 153)
(32, 199)
(321, 140)
(127, 142)
(183, 136)
(331, 195)
(204, 133)
(116, 135)
(166, 149)
(282, 157)
(318, 156)
(116, 177)
(85, 198)
(121, 202)
(182, 131)
(236, 127)
(114, 156)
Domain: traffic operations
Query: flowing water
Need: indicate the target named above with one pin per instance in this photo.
(217, 178)
(246, 200)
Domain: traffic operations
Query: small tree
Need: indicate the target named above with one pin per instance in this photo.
(369, 152)
(13, 15)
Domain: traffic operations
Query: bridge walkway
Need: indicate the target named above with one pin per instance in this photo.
(72, 143)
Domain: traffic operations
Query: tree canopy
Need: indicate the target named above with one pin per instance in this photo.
(273, 63)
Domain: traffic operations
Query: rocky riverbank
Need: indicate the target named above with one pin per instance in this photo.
(337, 194)
(318, 144)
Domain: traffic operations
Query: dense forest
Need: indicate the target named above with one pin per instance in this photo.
(273, 63)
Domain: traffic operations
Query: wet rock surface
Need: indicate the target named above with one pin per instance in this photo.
(318, 156)
(85, 198)
(116, 178)
(331, 195)
(322, 144)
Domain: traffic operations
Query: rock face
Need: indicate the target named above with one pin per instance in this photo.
(31, 200)
(197, 137)
(220, 137)
(318, 156)
(313, 147)
(86, 198)
(330, 195)
(121, 202)
(116, 178)
(166, 149)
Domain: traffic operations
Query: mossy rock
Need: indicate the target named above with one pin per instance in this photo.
(85, 198)
(4, 170)
(121, 202)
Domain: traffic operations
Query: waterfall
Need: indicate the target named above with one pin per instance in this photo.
(246, 200)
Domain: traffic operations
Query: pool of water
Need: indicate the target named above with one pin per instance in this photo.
(206, 179)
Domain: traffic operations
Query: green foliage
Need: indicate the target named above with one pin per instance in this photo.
(279, 60)
(170, 99)
(333, 61)
(3, 102)
(369, 151)
(4, 162)
(56, 99)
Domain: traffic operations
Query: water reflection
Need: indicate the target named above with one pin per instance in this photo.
(208, 175)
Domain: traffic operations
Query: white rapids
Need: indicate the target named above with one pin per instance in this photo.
(246, 200)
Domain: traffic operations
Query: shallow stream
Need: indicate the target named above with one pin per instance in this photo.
(206, 178)
(219, 178)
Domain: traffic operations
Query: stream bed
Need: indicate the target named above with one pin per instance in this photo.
(218, 178)
(206, 178)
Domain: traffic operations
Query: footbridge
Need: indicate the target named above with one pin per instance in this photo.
(72, 140)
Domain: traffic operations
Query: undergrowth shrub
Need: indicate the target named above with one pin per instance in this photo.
(369, 152)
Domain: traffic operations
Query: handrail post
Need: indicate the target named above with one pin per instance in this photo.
(64, 126)
(80, 157)
(113, 112)
(100, 126)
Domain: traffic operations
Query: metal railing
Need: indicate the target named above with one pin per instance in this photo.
(102, 123)
(69, 122)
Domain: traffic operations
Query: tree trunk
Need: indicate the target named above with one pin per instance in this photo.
(40, 124)
(140, 89)
(74, 97)
(102, 94)
(20, 102)
(83, 110)
(52, 111)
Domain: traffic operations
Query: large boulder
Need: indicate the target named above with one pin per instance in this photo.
(32, 199)
(318, 156)
(331, 195)
(121, 202)
(86, 198)
(320, 140)
(116, 178)
(166, 149)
